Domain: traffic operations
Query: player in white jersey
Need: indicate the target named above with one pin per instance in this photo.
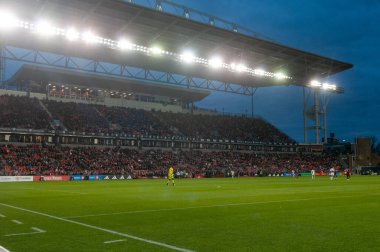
(332, 173)
(312, 173)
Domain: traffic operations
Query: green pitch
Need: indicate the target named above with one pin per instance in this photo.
(246, 214)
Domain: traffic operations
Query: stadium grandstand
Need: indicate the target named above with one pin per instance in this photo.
(109, 149)
(120, 78)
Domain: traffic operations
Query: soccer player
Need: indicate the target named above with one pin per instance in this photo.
(348, 174)
(312, 173)
(332, 173)
(170, 176)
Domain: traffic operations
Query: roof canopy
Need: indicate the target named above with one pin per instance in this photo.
(145, 26)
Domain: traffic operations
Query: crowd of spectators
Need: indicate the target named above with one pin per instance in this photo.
(78, 117)
(22, 112)
(53, 160)
(134, 122)
(224, 127)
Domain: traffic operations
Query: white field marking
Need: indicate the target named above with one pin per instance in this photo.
(36, 231)
(108, 242)
(2, 249)
(100, 228)
(197, 207)
(17, 222)
(50, 190)
(2, 216)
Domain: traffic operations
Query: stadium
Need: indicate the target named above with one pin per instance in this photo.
(104, 148)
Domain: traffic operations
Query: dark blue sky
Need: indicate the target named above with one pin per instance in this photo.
(345, 30)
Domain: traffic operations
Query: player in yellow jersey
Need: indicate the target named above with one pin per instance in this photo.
(170, 176)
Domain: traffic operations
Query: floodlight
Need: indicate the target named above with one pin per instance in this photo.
(72, 34)
(89, 37)
(124, 44)
(315, 83)
(280, 76)
(187, 57)
(260, 72)
(45, 28)
(215, 62)
(7, 20)
(156, 50)
(241, 68)
(328, 86)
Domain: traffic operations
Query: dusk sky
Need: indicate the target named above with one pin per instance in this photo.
(348, 31)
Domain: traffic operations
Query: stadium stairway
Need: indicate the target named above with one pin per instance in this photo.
(54, 123)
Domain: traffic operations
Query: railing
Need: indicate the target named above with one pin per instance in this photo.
(195, 15)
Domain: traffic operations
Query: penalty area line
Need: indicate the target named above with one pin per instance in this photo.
(37, 231)
(161, 244)
(17, 222)
(108, 242)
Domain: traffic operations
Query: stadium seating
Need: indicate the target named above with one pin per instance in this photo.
(22, 112)
(53, 160)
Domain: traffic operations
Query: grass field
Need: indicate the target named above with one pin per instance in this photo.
(247, 214)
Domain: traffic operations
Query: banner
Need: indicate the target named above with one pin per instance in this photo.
(305, 174)
(117, 177)
(16, 178)
(95, 177)
(54, 178)
(86, 177)
(77, 177)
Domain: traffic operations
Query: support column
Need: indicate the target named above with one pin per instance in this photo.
(316, 114)
(325, 100)
(2, 66)
(324, 127)
(305, 140)
(252, 101)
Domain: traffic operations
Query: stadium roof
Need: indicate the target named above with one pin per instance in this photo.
(47, 75)
(146, 26)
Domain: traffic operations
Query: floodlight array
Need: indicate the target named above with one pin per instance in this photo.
(9, 21)
(323, 85)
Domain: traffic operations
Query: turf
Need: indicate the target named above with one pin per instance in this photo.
(246, 214)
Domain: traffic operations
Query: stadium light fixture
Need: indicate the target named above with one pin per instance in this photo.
(7, 20)
(187, 57)
(45, 28)
(315, 83)
(156, 50)
(280, 76)
(241, 68)
(124, 44)
(72, 34)
(215, 62)
(89, 37)
(259, 72)
(325, 86)
(328, 86)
